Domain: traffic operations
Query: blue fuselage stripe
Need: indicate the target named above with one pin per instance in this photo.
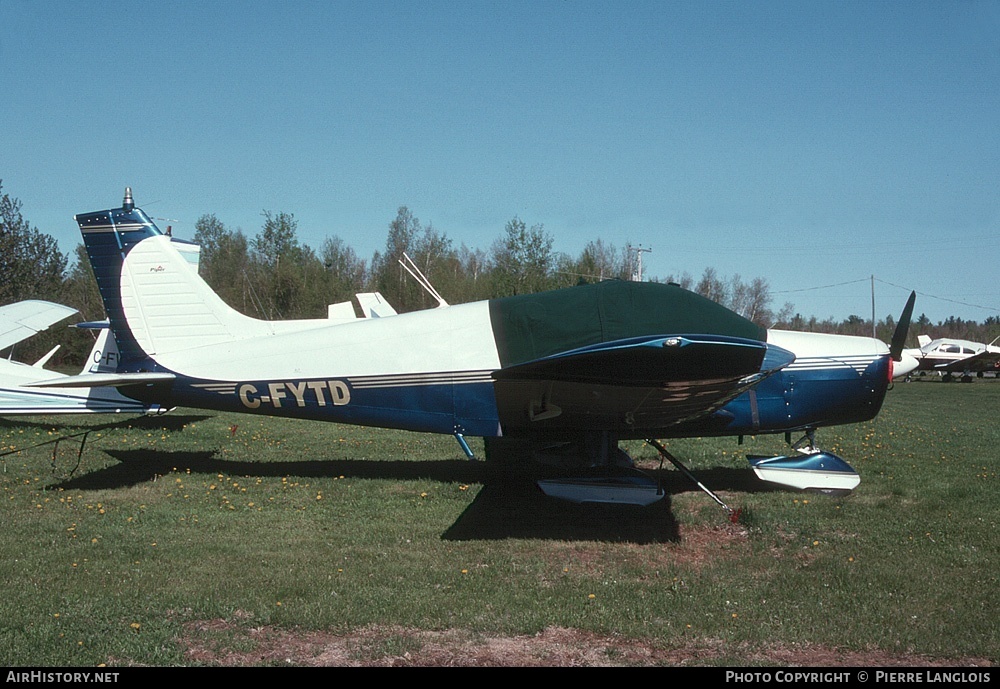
(468, 408)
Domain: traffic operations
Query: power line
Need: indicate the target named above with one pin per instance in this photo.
(886, 282)
(811, 289)
(933, 296)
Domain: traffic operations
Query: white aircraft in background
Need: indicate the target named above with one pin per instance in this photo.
(949, 356)
(23, 319)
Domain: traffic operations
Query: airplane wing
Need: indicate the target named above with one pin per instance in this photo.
(21, 320)
(984, 361)
(636, 385)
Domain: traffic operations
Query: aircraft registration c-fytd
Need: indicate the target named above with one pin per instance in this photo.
(558, 377)
(320, 392)
(281, 394)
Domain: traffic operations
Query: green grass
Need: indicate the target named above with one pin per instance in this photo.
(166, 525)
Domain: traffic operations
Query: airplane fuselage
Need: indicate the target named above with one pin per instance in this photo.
(631, 359)
(432, 371)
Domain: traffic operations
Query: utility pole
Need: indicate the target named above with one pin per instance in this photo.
(637, 274)
(874, 333)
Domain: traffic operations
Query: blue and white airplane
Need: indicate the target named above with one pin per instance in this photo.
(559, 376)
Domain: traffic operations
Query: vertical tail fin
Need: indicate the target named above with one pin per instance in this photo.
(104, 356)
(154, 298)
(108, 236)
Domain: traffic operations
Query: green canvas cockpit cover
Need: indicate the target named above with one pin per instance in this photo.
(532, 326)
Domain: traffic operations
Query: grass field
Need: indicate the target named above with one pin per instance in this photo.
(221, 539)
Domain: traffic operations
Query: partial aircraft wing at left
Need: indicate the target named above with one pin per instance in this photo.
(18, 396)
(21, 320)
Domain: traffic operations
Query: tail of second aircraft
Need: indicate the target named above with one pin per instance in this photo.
(154, 298)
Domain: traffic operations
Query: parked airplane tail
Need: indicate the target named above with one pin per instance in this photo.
(127, 251)
(104, 356)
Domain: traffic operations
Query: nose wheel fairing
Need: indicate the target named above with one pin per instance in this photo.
(817, 471)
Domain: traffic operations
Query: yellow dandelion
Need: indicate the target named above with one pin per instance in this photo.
(135, 626)
(591, 596)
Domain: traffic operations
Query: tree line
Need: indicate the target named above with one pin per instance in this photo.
(273, 275)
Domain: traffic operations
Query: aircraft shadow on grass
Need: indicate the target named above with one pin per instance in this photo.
(159, 423)
(503, 508)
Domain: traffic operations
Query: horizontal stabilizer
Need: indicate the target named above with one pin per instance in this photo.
(102, 380)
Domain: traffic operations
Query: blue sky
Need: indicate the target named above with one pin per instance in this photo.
(814, 144)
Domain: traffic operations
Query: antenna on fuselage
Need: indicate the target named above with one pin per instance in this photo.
(412, 269)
